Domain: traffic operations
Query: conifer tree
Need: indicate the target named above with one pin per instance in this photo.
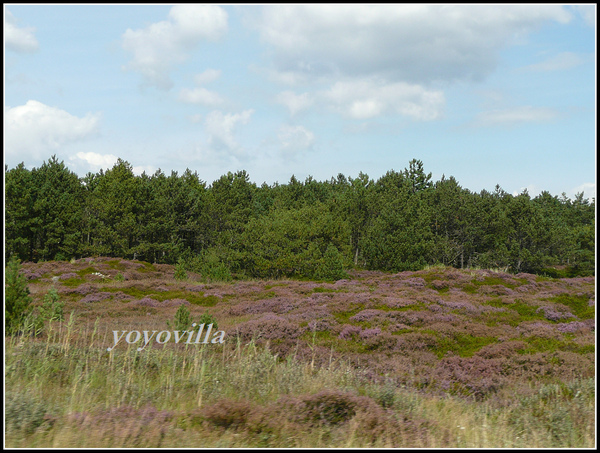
(17, 302)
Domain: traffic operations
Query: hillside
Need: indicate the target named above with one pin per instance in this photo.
(376, 349)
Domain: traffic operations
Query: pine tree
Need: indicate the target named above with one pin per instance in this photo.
(16, 295)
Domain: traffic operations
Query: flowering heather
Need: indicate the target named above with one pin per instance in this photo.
(321, 325)
(552, 314)
(194, 288)
(148, 302)
(572, 327)
(96, 297)
(175, 303)
(415, 282)
(467, 307)
(368, 315)
(349, 332)
(68, 275)
(495, 290)
(121, 296)
(310, 311)
(270, 327)
(367, 334)
(83, 289)
(31, 275)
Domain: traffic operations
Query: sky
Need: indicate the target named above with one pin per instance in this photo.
(489, 94)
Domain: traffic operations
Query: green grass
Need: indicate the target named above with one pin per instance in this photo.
(73, 282)
(578, 305)
(539, 344)
(64, 393)
(475, 284)
(193, 298)
(516, 313)
(86, 271)
(463, 345)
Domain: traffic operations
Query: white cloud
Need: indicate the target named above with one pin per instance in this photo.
(160, 46)
(33, 130)
(294, 139)
(410, 43)
(524, 114)
(221, 130)
(139, 169)
(588, 189)
(559, 62)
(97, 160)
(200, 96)
(588, 12)
(361, 99)
(531, 189)
(295, 102)
(210, 75)
(18, 39)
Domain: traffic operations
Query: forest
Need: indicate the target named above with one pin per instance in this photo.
(236, 229)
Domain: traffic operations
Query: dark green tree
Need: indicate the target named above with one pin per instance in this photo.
(17, 302)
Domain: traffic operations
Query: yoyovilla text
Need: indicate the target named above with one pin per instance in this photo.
(193, 336)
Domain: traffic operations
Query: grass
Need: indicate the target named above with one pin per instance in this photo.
(67, 393)
(578, 305)
(427, 375)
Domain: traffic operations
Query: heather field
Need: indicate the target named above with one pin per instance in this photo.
(437, 358)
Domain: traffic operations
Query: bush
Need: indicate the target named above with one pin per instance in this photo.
(16, 296)
(52, 309)
(23, 413)
(180, 273)
(207, 319)
(183, 319)
(332, 265)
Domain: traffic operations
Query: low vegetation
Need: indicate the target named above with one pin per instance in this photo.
(437, 358)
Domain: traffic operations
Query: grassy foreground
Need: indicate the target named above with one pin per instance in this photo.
(436, 358)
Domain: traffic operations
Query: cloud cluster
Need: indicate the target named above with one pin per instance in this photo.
(18, 39)
(294, 139)
(35, 129)
(386, 59)
(221, 127)
(161, 45)
(515, 115)
(409, 43)
(96, 160)
(201, 95)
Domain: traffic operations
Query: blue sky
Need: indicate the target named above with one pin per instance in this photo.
(490, 94)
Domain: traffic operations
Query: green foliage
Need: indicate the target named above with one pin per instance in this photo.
(207, 319)
(180, 273)
(213, 269)
(232, 228)
(24, 413)
(332, 265)
(578, 304)
(16, 297)
(182, 320)
(52, 308)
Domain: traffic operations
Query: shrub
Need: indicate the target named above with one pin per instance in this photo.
(16, 296)
(183, 319)
(180, 273)
(23, 413)
(228, 414)
(332, 265)
(52, 309)
(207, 319)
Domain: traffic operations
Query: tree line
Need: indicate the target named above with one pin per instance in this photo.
(234, 228)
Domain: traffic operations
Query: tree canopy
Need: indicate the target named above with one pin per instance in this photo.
(312, 229)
